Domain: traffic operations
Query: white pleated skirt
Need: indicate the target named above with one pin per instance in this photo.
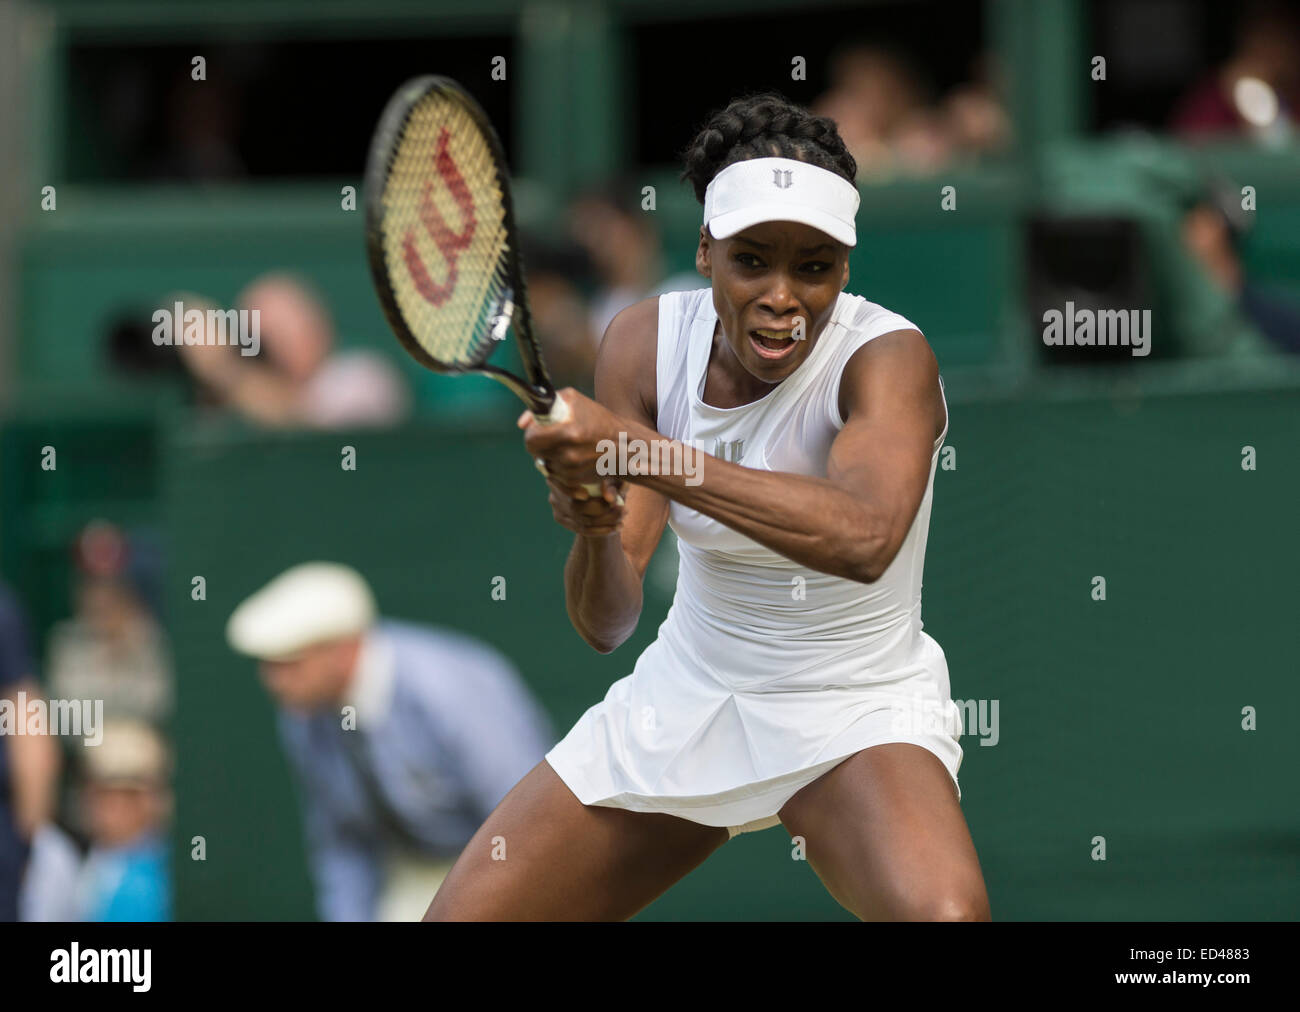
(676, 739)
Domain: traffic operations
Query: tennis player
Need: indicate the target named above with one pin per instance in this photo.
(791, 679)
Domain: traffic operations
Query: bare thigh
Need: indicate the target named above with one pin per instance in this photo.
(542, 855)
(885, 833)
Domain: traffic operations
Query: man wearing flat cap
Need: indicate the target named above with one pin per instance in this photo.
(403, 737)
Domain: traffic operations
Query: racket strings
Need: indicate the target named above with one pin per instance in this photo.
(445, 238)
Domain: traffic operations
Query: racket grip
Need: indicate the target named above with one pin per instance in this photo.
(560, 413)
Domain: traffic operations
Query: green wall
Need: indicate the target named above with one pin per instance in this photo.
(1119, 718)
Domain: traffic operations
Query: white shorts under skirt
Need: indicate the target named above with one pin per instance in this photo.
(671, 740)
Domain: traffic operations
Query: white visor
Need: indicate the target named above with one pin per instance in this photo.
(781, 189)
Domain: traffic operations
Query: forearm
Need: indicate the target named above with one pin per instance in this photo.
(34, 766)
(264, 398)
(602, 591)
(812, 521)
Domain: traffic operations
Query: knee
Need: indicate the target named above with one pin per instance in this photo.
(950, 905)
(449, 903)
(455, 910)
(438, 911)
(937, 903)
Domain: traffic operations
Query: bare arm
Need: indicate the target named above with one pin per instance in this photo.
(850, 523)
(253, 390)
(613, 546)
(34, 768)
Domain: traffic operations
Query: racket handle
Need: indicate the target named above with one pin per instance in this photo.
(560, 413)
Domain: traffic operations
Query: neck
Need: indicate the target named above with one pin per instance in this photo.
(348, 682)
(727, 383)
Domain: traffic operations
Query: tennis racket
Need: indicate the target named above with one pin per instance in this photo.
(442, 242)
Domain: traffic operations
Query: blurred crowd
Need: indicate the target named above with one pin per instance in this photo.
(1255, 92)
(893, 124)
(85, 802)
(402, 739)
(293, 373)
(606, 252)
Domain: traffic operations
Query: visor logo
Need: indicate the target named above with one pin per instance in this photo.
(781, 178)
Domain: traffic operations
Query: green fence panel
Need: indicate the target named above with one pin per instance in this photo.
(105, 466)
(1119, 718)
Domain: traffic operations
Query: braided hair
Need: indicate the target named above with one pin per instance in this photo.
(764, 125)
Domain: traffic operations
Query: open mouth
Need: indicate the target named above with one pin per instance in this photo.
(772, 344)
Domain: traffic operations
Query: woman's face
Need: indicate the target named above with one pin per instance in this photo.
(765, 279)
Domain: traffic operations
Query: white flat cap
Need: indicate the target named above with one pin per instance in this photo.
(308, 604)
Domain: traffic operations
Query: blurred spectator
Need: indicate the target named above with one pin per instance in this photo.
(1213, 227)
(113, 647)
(890, 122)
(29, 763)
(557, 274)
(1257, 89)
(873, 96)
(403, 738)
(973, 115)
(300, 380)
(623, 244)
(126, 801)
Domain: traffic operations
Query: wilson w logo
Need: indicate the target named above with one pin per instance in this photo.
(781, 178)
(449, 243)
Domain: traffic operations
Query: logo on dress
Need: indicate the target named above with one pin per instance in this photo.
(781, 178)
(731, 450)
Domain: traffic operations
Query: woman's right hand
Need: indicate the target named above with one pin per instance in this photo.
(574, 508)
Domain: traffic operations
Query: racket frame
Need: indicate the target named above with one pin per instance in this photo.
(538, 392)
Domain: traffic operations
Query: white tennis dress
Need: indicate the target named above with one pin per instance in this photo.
(765, 673)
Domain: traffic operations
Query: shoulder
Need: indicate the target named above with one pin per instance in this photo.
(359, 386)
(892, 356)
(626, 362)
(868, 319)
(451, 651)
(359, 364)
(889, 353)
(447, 679)
(901, 353)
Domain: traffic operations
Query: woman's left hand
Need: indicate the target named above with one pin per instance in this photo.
(570, 448)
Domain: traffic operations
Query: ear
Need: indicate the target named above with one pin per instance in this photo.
(844, 280)
(703, 261)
